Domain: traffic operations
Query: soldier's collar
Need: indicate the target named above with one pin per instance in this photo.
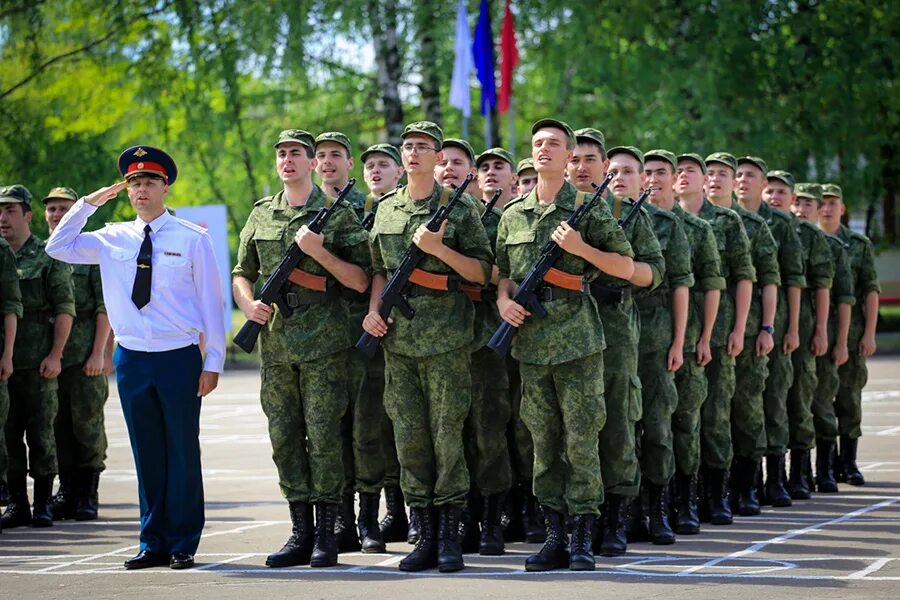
(426, 205)
(315, 201)
(565, 198)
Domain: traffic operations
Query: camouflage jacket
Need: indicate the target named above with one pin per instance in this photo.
(46, 286)
(10, 293)
(443, 322)
(487, 315)
(819, 268)
(842, 288)
(783, 226)
(865, 279)
(314, 330)
(764, 253)
(88, 304)
(707, 269)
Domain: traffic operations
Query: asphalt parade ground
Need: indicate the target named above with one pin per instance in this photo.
(833, 546)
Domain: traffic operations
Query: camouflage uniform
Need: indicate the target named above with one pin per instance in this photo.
(824, 417)
(10, 303)
(734, 249)
(748, 427)
(781, 366)
(80, 432)
(46, 286)
(427, 391)
(561, 355)
(659, 394)
(690, 379)
(819, 268)
(304, 357)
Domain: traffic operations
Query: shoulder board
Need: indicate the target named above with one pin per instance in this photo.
(663, 213)
(809, 225)
(262, 201)
(858, 236)
(515, 200)
(390, 194)
(780, 214)
(190, 225)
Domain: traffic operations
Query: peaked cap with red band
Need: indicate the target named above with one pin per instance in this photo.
(147, 160)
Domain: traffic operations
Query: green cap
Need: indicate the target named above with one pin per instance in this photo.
(15, 194)
(591, 135)
(382, 149)
(812, 191)
(832, 189)
(524, 165)
(61, 193)
(782, 176)
(337, 137)
(500, 153)
(722, 158)
(627, 150)
(694, 158)
(663, 155)
(428, 128)
(755, 161)
(556, 123)
(297, 136)
(462, 145)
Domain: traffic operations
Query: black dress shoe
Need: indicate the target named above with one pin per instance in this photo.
(146, 559)
(181, 560)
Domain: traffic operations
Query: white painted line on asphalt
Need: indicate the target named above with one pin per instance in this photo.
(875, 566)
(390, 561)
(225, 561)
(90, 558)
(891, 431)
(871, 466)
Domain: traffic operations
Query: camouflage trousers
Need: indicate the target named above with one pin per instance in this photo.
(824, 417)
(853, 375)
(748, 420)
(304, 403)
(389, 454)
(716, 450)
(4, 412)
(563, 407)
(800, 399)
(32, 411)
(427, 400)
(622, 394)
(659, 401)
(487, 453)
(690, 381)
(80, 429)
(362, 426)
(775, 400)
(518, 437)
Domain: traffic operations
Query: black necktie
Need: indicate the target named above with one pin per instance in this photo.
(140, 293)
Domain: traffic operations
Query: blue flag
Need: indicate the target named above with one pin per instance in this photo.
(462, 62)
(483, 51)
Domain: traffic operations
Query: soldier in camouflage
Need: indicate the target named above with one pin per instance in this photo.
(427, 364)
(11, 309)
(83, 386)
(861, 338)
(527, 176)
(48, 311)
(561, 354)
(304, 356)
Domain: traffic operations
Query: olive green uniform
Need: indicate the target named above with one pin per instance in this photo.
(10, 303)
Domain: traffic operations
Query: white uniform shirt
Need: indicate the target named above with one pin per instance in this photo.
(185, 292)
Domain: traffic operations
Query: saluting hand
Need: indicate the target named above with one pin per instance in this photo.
(104, 195)
(430, 242)
(311, 243)
(568, 239)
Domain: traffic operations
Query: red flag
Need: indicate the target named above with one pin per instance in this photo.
(509, 58)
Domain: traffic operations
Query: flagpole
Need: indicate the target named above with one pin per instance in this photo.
(512, 127)
(488, 142)
(465, 127)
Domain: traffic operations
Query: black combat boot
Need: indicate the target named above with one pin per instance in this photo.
(808, 472)
(298, 548)
(797, 482)
(532, 516)
(512, 514)
(369, 533)
(581, 555)
(703, 494)
(491, 543)
(614, 513)
(848, 459)
(17, 513)
(65, 498)
(325, 548)
(88, 500)
(554, 554)
(825, 482)
(775, 491)
(469, 535)
(344, 530)
(636, 529)
(718, 496)
(450, 551)
(661, 533)
(746, 472)
(837, 465)
(425, 554)
(395, 525)
(42, 509)
(412, 532)
(687, 521)
(4, 493)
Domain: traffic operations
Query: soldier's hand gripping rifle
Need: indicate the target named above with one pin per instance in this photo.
(392, 294)
(526, 292)
(273, 290)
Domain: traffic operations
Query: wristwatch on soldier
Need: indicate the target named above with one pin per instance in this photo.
(770, 329)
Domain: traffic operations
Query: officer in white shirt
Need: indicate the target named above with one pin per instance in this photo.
(162, 292)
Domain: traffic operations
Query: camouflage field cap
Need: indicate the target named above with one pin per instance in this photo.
(812, 191)
(297, 136)
(627, 150)
(832, 189)
(723, 158)
(382, 149)
(663, 155)
(15, 194)
(755, 161)
(556, 124)
(428, 128)
(591, 135)
(524, 165)
(462, 145)
(694, 158)
(337, 137)
(782, 176)
(61, 193)
(501, 153)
